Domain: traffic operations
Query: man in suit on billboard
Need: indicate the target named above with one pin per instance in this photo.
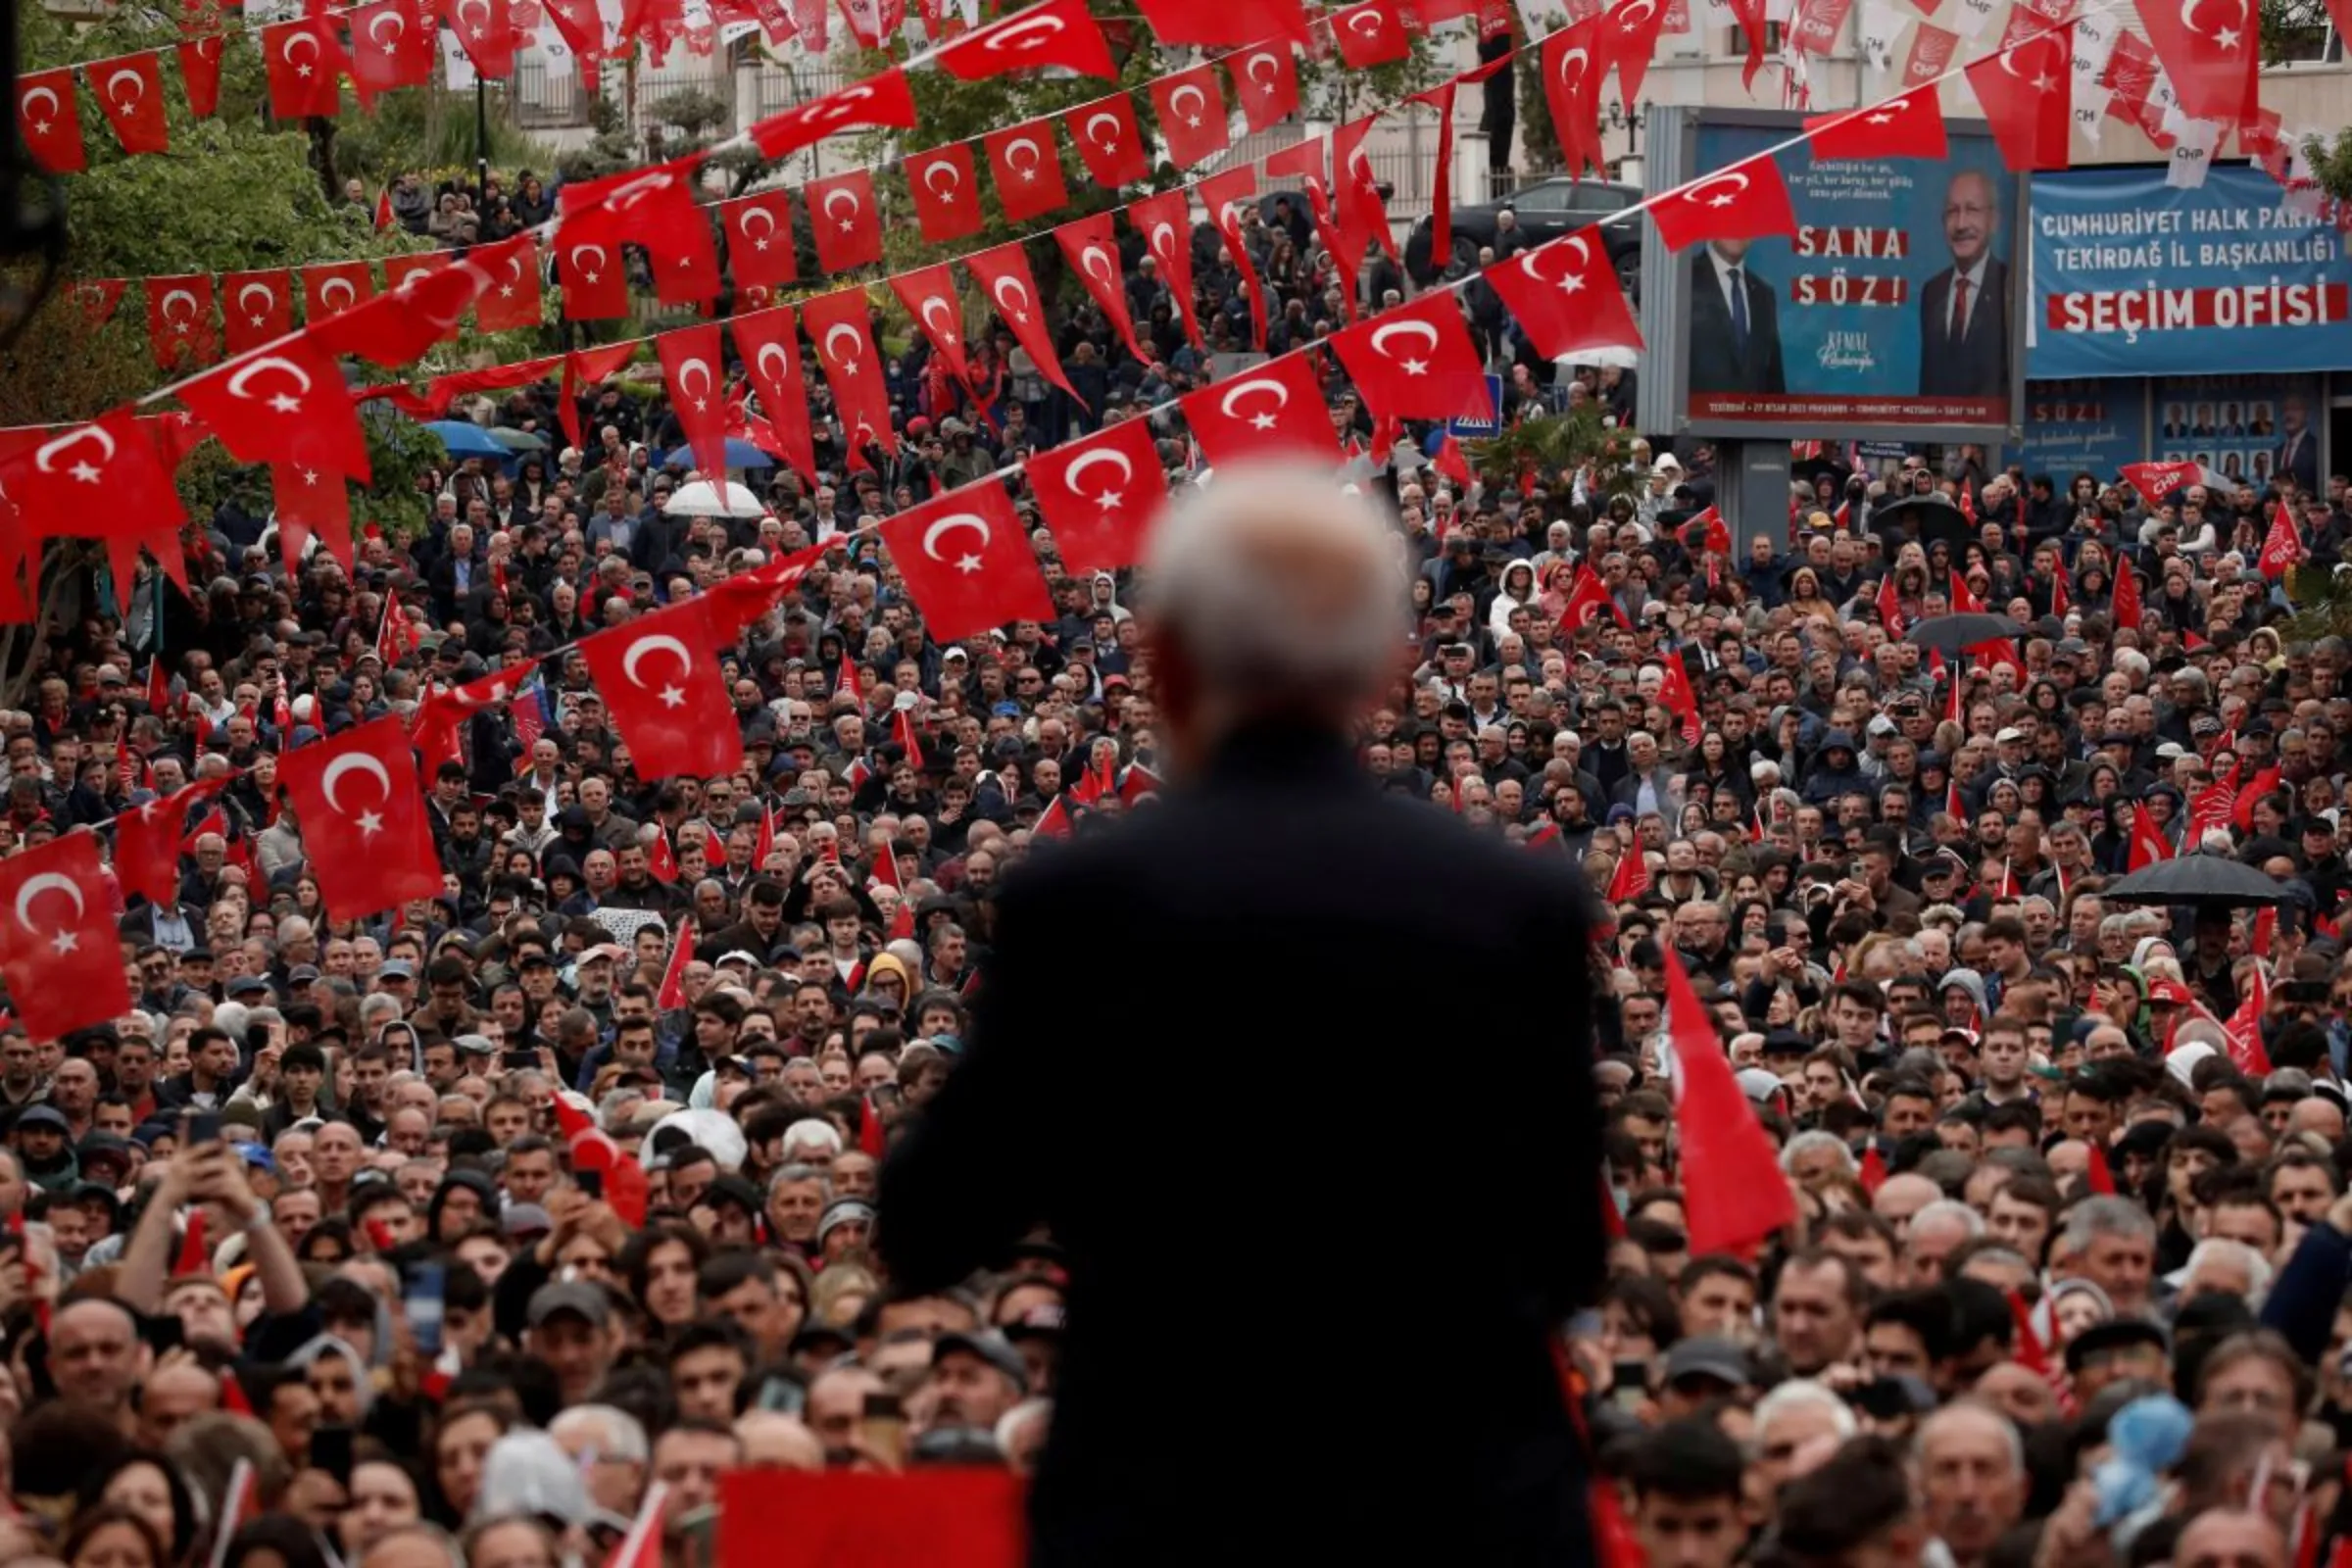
(1735, 323)
(1964, 310)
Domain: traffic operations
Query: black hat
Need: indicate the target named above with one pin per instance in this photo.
(2117, 1334)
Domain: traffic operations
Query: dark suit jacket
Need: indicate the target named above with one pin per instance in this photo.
(1978, 366)
(1258, 918)
(1717, 364)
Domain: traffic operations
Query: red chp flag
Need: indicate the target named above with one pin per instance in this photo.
(1416, 362)
(305, 65)
(1099, 495)
(1109, 141)
(1274, 407)
(58, 947)
(1631, 878)
(2244, 1028)
(2282, 547)
(2027, 93)
(1027, 169)
(1092, 250)
(842, 326)
(1746, 201)
(256, 307)
(130, 92)
(945, 191)
(2126, 609)
(1191, 108)
(180, 320)
(2208, 48)
(841, 221)
(2148, 843)
(691, 359)
(660, 679)
(1565, 296)
(966, 562)
(1908, 126)
(49, 119)
(362, 815)
(1731, 1174)
(1057, 34)
(1004, 275)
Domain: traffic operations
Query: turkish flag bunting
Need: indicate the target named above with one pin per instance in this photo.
(1100, 495)
(98, 297)
(690, 360)
(1363, 217)
(2148, 843)
(1439, 99)
(659, 676)
(1272, 408)
(485, 30)
(1092, 250)
(2125, 609)
(1746, 201)
(511, 301)
(362, 819)
(1190, 107)
(2282, 547)
(2209, 50)
(311, 501)
(1370, 35)
(769, 343)
(1056, 33)
(945, 191)
(1907, 126)
(286, 403)
(877, 101)
(130, 92)
(1573, 66)
(305, 63)
(1416, 362)
(1178, 24)
(1165, 221)
(966, 562)
(402, 273)
(394, 328)
(1003, 273)
(180, 320)
(391, 46)
(256, 307)
(1265, 81)
(581, 27)
(589, 270)
(50, 120)
(842, 326)
(1108, 140)
(1735, 1194)
(2028, 94)
(653, 208)
(1227, 195)
(59, 951)
(1027, 169)
(843, 221)
(759, 235)
(147, 842)
(1628, 41)
(200, 75)
(929, 295)
(1565, 296)
(330, 289)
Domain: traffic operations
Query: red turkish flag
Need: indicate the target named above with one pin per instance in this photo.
(511, 301)
(1092, 251)
(1589, 598)
(1178, 24)
(1677, 697)
(58, 947)
(759, 235)
(1735, 1194)
(1628, 41)
(1004, 275)
(928, 294)
(1416, 362)
(287, 404)
(1190, 107)
(842, 326)
(966, 562)
(768, 342)
(200, 75)
(843, 220)
(589, 273)
(582, 28)
(661, 677)
(2125, 610)
(1165, 221)
(304, 62)
(1058, 33)
(1108, 140)
(1274, 407)
(180, 320)
(402, 273)
(256, 307)
(362, 819)
(98, 297)
(394, 328)
(2282, 547)
(307, 502)
(877, 101)
(1908, 126)
(2148, 843)
(147, 842)
(2208, 48)
(1565, 296)
(1027, 169)
(1226, 195)
(1364, 218)
(2027, 93)
(1265, 82)
(1574, 65)
(1370, 35)
(1100, 495)
(653, 208)
(485, 30)
(130, 93)
(691, 362)
(50, 120)
(1746, 201)
(330, 289)
(946, 192)
(391, 46)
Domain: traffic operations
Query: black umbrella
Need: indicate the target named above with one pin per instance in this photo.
(1925, 518)
(2202, 879)
(1955, 634)
(1812, 470)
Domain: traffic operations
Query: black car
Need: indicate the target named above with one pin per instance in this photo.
(1547, 210)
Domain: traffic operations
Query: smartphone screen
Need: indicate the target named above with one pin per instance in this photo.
(421, 1301)
(204, 1127)
(330, 1452)
(591, 1182)
(519, 1060)
(883, 1429)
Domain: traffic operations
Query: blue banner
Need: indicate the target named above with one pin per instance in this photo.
(2133, 278)
(2092, 426)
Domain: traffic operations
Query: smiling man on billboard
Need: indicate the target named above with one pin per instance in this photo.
(1964, 310)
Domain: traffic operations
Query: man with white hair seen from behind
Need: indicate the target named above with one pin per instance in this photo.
(1278, 620)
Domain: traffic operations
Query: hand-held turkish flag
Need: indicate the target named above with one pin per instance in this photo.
(877, 101)
(842, 326)
(2028, 94)
(1565, 296)
(1735, 1194)
(2148, 843)
(661, 678)
(1004, 275)
(1589, 599)
(1165, 221)
(1265, 82)
(256, 307)
(1272, 408)
(361, 815)
(2282, 547)
(1056, 33)
(2244, 1028)
(928, 295)
(673, 994)
(1108, 140)
(1677, 698)
(843, 222)
(1027, 169)
(758, 231)
(330, 289)
(1190, 107)
(769, 343)
(100, 480)
(945, 190)
(2126, 607)
(305, 63)
(1908, 126)
(1416, 362)
(1100, 495)
(1092, 250)
(147, 842)
(966, 562)
(691, 359)
(58, 948)
(50, 120)
(131, 91)
(1746, 201)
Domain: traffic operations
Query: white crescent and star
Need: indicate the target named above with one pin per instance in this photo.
(285, 50)
(1028, 170)
(1087, 257)
(946, 329)
(968, 563)
(673, 695)
(400, 29)
(588, 274)
(686, 373)
(942, 165)
(997, 292)
(165, 307)
(1735, 183)
(371, 823)
(269, 301)
(2223, 38)
(744, 223)
(777, 375)
(240, 382)
(1421, 329)
(847, 362)
(326, 293)
(40, 127)
(1267, 82)
(1200, 98)
(1107, 144)
(1257, 422)
(1021, 34)
(61, 940)
(1569, 282)
(137, 82)
(1108, 500)
(841, 192)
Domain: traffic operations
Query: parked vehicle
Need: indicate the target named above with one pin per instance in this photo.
(1547, 210)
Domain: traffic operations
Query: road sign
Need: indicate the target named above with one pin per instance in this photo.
(1480, 426)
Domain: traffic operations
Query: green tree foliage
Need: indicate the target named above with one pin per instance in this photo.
(1561, 445)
